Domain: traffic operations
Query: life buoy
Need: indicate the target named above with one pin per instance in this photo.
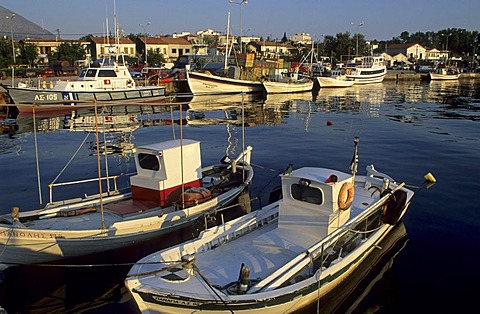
(345, 196)
(129, 83)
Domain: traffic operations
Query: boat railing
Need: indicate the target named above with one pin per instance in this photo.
(109, 178)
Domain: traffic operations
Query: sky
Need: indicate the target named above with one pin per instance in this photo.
(375, 19)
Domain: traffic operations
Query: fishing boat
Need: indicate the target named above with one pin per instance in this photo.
(444, 74)
(371, 69)
(211, 84)
(107, 80)
(170, 190)
(281, 258)
(289, 82)
(336, 79)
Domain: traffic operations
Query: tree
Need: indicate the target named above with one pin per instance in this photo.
(155, 59)
(69, 52)
(28, 54)
(6, 58)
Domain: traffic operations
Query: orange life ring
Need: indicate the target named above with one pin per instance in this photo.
(345, 196)
(129, 83)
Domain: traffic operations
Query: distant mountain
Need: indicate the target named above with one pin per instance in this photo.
(22, 28)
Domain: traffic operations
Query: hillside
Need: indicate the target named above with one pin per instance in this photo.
(22, 27)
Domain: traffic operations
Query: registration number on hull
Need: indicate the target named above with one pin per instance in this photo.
(46, 97)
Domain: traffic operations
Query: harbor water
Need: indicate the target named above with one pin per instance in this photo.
(407, 129)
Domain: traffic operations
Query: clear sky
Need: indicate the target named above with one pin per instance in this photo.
(382, 19)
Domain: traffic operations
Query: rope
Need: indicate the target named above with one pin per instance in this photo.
(211, 287)
(71, 158)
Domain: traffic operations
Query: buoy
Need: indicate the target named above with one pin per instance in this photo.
(329, 123)
(430, 178)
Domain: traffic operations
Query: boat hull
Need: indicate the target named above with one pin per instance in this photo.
(205, 84)
(330, 82)
(57, 98)
(443, 77)
(287, 87)
(367, 75)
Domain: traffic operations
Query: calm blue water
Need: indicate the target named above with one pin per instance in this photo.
(406, 129)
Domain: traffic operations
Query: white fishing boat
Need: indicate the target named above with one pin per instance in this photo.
(444, 74)
(210, 84)
(290, 82)
(282, 258)
(371, 69)
(109, 80)
(336, 79)
(170, 190)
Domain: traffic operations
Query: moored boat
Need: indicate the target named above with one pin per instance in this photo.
(290, 82)
(210, 84)
(282, 258)
(107, 81)
(371, 69)
(336, 79)
(444, 74)
(170, 190)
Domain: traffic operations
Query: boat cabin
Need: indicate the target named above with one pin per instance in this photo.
(311, 200)
(163, 168)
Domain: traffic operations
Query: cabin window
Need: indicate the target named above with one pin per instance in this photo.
(91, 73)
(307, 194)
(107, 73)
(148, 161)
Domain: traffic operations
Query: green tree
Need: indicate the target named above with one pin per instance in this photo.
(155, 59)
(28, 54)
(6, 58)
(69, 52)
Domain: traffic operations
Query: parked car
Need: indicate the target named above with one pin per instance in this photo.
(48, 72)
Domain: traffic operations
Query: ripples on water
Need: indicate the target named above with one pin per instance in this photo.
(406, 129)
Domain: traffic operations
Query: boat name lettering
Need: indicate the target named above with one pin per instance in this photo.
(23, 234)
(46, 97)
(167, 300)
(209, 85)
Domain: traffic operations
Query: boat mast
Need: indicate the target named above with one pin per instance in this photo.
(226, 46)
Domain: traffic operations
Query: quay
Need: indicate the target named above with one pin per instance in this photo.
(403, 75)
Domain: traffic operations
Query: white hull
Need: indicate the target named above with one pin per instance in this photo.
(443, 77)
(368, 76)
(288, 87)
(206, 84)
(331, 82)
(292, 260)
(62, 98)
(73, 228)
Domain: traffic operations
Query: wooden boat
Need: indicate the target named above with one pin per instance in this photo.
(169, 191)
(372, 69)
(108, 81)
(282, 258)
(290, 82)
(210, 84)
(336, 79)
(444, 74)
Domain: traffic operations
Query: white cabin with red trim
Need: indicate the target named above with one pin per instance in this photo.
(163, 168)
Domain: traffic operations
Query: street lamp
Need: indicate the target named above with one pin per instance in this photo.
(145, 32)
(13, 48)
(358, 26)
(446, 43)
(241, 31)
